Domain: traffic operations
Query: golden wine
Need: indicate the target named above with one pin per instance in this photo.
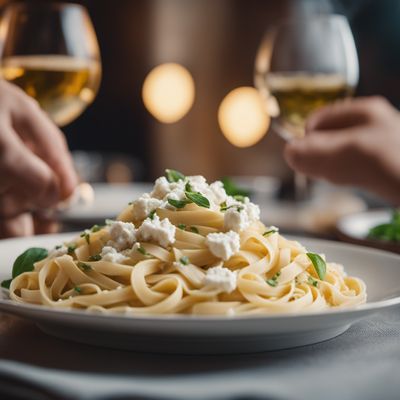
(63, 86)
(298, 95)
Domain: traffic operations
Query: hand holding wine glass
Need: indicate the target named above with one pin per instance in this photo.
(305, 63)
(50, 51)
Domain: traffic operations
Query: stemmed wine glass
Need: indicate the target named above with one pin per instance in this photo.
(50, 50)
(304, 63)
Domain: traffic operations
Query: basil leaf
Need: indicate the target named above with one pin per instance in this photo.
(25, 261)
(6, 284)
(173, 175)
(232, 189)
(178, 203)
(198, 199)
(319, 264)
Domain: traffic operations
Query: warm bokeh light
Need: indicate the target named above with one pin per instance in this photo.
(242, 117)
(168, 92)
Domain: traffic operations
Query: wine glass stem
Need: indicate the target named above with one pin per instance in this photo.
(301, 187)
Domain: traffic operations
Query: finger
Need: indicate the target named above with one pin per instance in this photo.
(13, 204)
(319, 156)
(34, 126)
(25, 174)
(22, 225)
(344, 114)
(44, 225)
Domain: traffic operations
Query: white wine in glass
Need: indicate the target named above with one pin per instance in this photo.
(299, 94)
(304, 63)
(63, 70)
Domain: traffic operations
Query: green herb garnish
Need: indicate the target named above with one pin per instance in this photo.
(389, 232)
(319, 264)
(151, 215)
(178, 203)
(198, 199)
(24, 263)
(270, 232)
(84, 266)
(77, 289)
(188, 187)
(184, 260)
(6, 284)
(71, 248)
(239, 197)
(58, 247)
(232, 189)
(86, 235)
(95, 228)
(194, 229)
(142, 250)
(182, 226)
(96, 257)
(173, 175)
(274, 280)
(312, 281)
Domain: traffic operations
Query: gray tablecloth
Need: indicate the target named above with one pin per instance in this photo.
(363, 363)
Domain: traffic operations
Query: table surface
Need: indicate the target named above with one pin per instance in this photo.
(363, 363)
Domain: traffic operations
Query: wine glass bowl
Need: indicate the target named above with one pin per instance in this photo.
(306, 63)
(50, 51)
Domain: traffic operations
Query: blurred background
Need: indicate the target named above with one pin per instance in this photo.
(177, 78)
(216, 41)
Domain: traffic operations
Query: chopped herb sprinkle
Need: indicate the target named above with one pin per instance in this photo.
(312, 281)
(95, 228)
(84, 266)
(194, 229)
(151, 215)
(184, 260)
(96, 257)
(77, 289)
(182, 226)
(142, 250)
(270, 232)
(71, 248)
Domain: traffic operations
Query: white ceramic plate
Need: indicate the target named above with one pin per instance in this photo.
(206, 335)
(354, 228)
(109, 200)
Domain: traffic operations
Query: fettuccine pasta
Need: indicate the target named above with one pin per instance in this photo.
(187, 248)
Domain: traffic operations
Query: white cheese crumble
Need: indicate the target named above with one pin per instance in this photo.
(164, 190)
(109, 254)
(223, 245)
(144, 205)
(221, 278)
(122, 235)
(58, 252)
(156, 230)
(240, 215)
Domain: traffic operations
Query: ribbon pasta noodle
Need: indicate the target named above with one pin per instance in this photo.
(187, 248)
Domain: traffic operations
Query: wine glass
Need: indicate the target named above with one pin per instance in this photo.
(50, 51)
(302, 64)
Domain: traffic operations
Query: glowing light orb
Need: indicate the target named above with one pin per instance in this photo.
(242, 117)
(168, 92)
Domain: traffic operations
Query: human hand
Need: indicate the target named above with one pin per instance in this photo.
(36, 169)
(354, 142)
